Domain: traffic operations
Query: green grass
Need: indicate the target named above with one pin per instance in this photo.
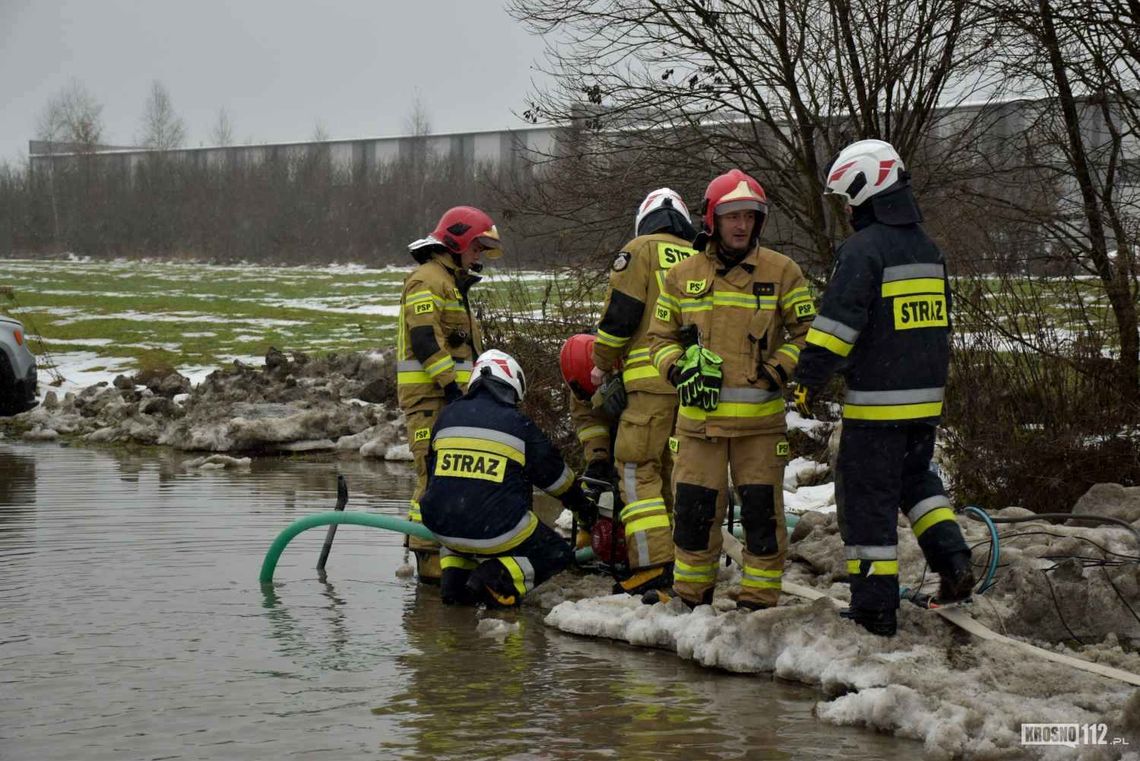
(187, 314)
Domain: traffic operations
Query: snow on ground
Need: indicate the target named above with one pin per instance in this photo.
(959, 695)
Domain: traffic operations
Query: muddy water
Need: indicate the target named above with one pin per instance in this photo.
(132, 626)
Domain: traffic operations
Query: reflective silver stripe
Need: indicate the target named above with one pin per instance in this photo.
(490, 434)
(835, 328)
(901, 396)
(527, 569)
(463, 365)
(642, 549)
(746, 394)
(629, 482)
(561, 483)
(477, 544)
(925, 506)
(911, 272)
(866, 552)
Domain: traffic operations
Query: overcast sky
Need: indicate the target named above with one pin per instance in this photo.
(278, 67)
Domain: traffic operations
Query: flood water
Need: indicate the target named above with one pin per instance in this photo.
(132, 626)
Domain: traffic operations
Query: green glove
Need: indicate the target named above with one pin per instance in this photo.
(711, 377)
(686, 376)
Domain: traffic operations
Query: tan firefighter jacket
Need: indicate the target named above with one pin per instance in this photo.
(757, 313)
(438, 337)
(636, 279)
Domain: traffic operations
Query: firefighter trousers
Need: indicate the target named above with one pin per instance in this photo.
(419, 423)
(644, 464)
(701, 496)
(513, 573)
(880, 471)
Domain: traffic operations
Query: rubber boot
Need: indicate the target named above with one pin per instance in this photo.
(427, 566)
(654, 596)
(749, 606)
(641, 582)
(491, 582)
(957, 581)
(881, 622)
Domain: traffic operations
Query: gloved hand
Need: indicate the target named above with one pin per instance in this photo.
(711, 377)
(451, 392)
(685, 375)
(613, 396)
(803, 397)
(602, 470)
(576, 501)
(768, 376)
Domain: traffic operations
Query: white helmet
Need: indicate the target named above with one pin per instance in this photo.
(662, 197)
(501, 367)
(864, 169)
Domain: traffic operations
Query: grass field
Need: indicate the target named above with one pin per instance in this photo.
(99, 318)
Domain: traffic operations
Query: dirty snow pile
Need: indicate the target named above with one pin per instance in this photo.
(293, 403)
(962, 697)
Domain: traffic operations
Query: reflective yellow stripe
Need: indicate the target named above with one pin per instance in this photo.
(638, 355)
(440, 366)
(608, 339)
(934, 516)
(829, 342)
(479, 445)
(876, 568)
(457, 561)
(517, 575)
(593, 432)
(510, 544)
(735, 410)
(743, 300)
(646, 524)
(462, 376)
(639, 373)
(790, 350)
(696, 305)
(414, 512)
(642, 507)
(892, 411)
(665, 353)
(411, 377)
(418, 296)
(693, 573)
(792, 296)
(917, 285)
(669, 302)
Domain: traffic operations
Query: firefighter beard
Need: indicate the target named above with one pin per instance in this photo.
(701, 497)
(643, 464)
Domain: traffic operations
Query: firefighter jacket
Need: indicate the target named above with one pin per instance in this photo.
(438, 338)
(636, 280)
(884, 321)
(486, 456)
(754, 314)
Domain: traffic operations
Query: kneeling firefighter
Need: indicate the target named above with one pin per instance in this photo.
(485, 458)
(437, 339)
(884, 324)
(727, 331)
(663, 230)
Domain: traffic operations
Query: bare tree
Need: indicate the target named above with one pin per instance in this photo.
(161, 127)
(683, 89)
(222, 133)
(72, 116)
(418, 121)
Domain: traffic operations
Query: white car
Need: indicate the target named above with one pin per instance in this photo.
(17, 369)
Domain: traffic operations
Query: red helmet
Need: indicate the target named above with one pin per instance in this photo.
(734, 191)
(460, 226)
(577, 360)
(602, 540)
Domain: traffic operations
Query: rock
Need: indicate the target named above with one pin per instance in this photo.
(40, 433)
(172, 385)
(1111, 501)
(102, 435)
(275, 360)
(50, 402)
(1013, 512)
(355, 441)
(122, 382)
(158, 405)
(379, 391)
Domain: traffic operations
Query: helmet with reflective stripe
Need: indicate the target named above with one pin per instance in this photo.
(864, 169)
(494, 366)
(734, 191)
(458, 228)
(577, 360)
(662, 198)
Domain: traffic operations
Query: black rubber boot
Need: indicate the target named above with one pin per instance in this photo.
(881, 622)
(957, 582)
(654, 596)
(641, 582)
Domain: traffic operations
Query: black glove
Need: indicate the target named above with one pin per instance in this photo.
(614, 398)
(602, 470)
(769, 376)
(451, 392)
(576, 500)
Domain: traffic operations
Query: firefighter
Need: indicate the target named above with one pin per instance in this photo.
(437, 339)
(485, 458)
(727, 332)
(663, 231)
(884, 324)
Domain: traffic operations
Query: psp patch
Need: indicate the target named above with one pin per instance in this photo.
(674, 444)
(621, 261)
(782, 449)
(482, 465)
(422, 434)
